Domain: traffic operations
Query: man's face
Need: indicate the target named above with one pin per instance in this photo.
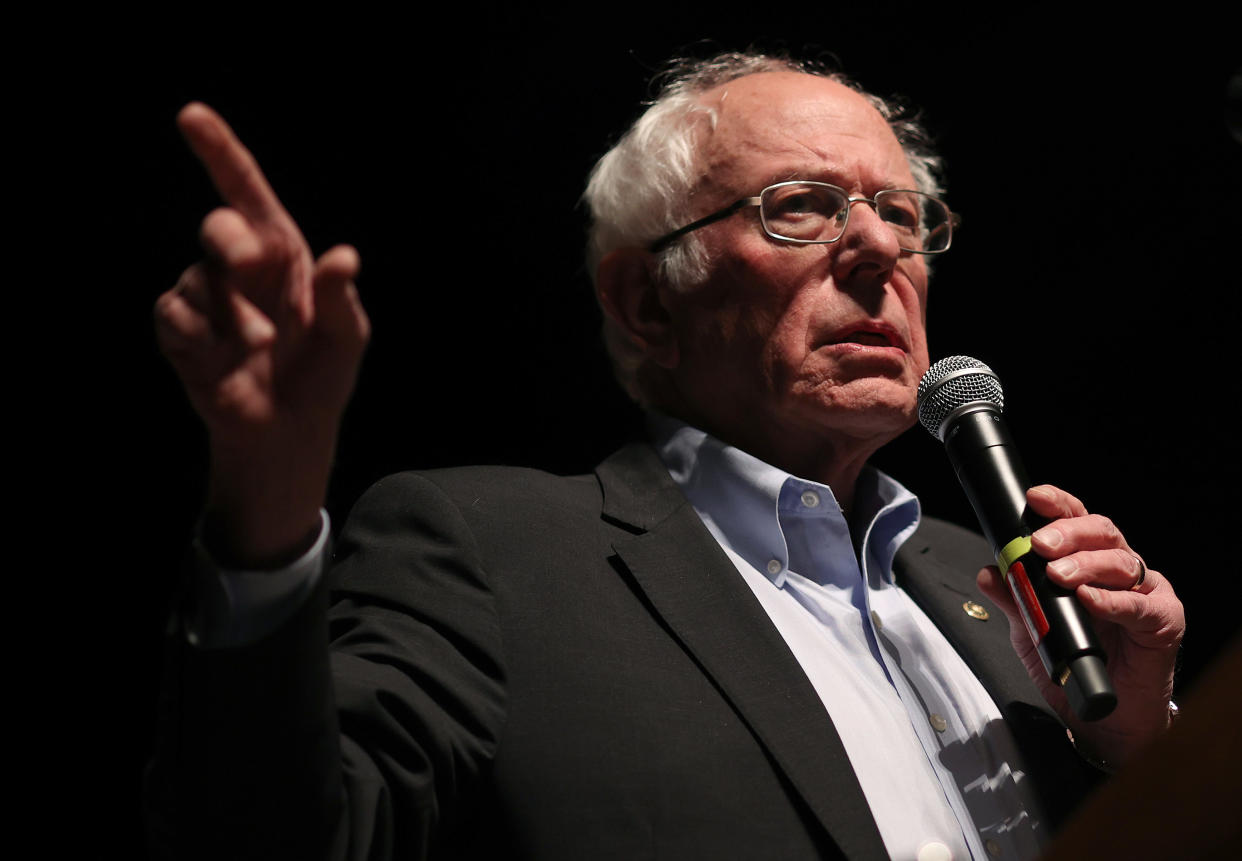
(785, 345)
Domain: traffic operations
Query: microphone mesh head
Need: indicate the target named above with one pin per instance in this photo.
(954, 382)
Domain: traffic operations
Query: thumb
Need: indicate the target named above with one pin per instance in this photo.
(992, 583)
(338, 310)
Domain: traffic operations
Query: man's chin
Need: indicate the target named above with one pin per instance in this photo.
(882, 412)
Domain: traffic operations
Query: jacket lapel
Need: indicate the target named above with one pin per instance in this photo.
(695, 589)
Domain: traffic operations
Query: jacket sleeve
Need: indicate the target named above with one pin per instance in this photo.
(359, 728)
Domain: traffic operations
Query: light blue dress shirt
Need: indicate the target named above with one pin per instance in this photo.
(932, 753)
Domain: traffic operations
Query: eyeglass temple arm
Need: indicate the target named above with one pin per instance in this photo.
(668, 238)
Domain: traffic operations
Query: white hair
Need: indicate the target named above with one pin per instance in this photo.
(640, 189)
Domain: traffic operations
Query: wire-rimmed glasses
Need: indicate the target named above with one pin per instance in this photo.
(816, 213)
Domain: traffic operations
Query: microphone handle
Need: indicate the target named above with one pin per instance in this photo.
(986, 461)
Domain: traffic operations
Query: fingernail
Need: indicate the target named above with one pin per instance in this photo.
(1049, 536)
(1089, 592)
(1062, 567)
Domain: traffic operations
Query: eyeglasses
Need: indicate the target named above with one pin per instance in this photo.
(816, 213)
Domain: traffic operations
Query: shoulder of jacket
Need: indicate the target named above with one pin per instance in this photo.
(492, 486)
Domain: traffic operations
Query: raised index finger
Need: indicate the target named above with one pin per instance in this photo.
(233, 170)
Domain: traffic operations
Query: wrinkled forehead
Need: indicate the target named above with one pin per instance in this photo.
(774, 126)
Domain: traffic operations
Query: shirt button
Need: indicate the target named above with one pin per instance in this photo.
(875, 620)
(774, 566)
(935, 851)
(994, 848)
(810, 499)
(939, 724)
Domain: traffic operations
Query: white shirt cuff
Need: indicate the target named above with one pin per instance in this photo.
(230, 607)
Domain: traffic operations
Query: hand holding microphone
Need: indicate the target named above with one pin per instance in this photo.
(1104, 627)
(960, 402)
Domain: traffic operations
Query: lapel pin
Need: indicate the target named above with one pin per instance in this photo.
(975, 611)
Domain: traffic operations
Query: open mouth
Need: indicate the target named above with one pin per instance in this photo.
(873, 339)
(870, 334)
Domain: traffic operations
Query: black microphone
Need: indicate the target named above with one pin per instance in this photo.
(960, 403)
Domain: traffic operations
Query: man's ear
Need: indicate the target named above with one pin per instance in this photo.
(629, 293)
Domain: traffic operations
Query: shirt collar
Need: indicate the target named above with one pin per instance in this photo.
(894, 516)
(742, 499)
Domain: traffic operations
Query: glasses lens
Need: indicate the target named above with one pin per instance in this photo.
(921, 223)
(804, 211)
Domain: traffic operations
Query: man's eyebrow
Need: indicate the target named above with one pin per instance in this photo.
(785, 175)
(790, 174)
(818, 174)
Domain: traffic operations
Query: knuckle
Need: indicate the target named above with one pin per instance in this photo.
(219, 220)
(1068, 503)
(289, 241)
(282, 251)
(277, 245)
(190, 276)
(1106, 527)
(162, 311)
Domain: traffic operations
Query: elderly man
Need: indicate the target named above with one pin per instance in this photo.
(735, 641)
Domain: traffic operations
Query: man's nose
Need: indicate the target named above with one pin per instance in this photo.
(868, 214)
(869, 245)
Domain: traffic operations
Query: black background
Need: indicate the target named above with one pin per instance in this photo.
(1097, 270)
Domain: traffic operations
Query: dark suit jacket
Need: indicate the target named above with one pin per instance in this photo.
(525, 665)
